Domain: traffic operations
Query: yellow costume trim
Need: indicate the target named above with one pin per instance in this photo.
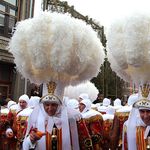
(93, 119)
(50, 96)
(88, 142)
(143, 102)
(94, 108)
(122, 114)
(4, 114)
(125, 129)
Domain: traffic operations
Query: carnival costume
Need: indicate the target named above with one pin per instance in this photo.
(56, 48)
(128, 54)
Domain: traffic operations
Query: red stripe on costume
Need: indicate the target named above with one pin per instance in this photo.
(48, 141)
(141, 142)
(59, 139)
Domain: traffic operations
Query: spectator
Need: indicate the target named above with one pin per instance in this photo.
(36, 91)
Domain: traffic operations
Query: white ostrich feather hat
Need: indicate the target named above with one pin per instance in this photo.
(56, 47)
(88, 89)
(129, 49)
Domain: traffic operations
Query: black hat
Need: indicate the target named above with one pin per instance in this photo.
(3, 102)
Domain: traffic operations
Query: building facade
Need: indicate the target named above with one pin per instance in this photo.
(12, 84)
(129, 89)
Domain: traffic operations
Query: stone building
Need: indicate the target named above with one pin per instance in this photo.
(12, 85)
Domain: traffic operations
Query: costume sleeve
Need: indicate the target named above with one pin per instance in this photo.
(85, 141)
(95, 127)
(8, 122)
(27, 144)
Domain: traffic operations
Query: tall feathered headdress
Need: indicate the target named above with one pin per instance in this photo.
(73, 92)
(128, 47)
(57, 47)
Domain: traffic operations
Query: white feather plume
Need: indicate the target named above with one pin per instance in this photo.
(55, 46)
(73, 92)
(128, 46)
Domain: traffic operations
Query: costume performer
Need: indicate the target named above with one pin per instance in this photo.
(94, 122)
(108, 126)
(10, 124)
(68, 53)
(128, 54)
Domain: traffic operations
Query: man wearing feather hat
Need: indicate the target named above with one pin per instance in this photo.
(136, 129)
(55, 49)
(128, 53)
(62, 127)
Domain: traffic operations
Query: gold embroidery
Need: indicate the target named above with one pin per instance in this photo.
(143, 103)
(88, 142)
(125, 129)
(53, 96)
(94, 108)
(95, 118)
(51, 87)
(4, 114)
(120, 143)
(108, 121)
(121, 115)
(50, 96)
(12, 111)
(145, 90)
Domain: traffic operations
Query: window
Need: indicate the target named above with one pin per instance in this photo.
(2, 18)
(8, 16)
(13, 2)
(5, 73)
(5, 81)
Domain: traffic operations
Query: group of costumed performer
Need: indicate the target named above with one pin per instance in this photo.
(128, 49)
(56, 50)
(9, 124)
(85, 94)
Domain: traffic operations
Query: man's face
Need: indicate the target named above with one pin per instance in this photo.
(23, 104)
(50, 108)
(81, 107)
(101, 96)
(145, 116)
(80, 99)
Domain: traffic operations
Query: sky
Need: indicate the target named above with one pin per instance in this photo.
(104, 11)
